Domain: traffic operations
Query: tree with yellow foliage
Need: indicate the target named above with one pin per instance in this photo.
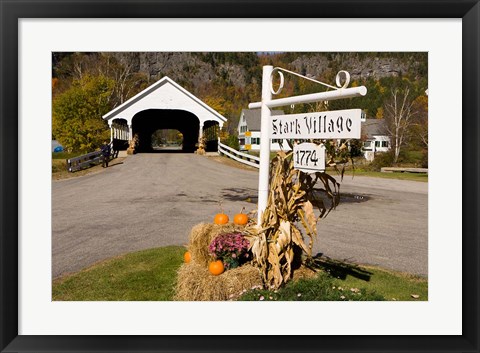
(77, 114)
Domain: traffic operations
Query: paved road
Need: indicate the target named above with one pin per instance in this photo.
(152, 200)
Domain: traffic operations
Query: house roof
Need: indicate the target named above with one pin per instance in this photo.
(164, 80)
(252, 117)
(374, 127)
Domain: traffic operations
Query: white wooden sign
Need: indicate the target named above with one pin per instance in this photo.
(309, 157)
(338, 124)
(324, 125)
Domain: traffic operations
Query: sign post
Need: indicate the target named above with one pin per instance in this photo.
(320, 125)
(264, 143)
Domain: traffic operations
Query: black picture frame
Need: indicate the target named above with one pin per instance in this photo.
(12, 11)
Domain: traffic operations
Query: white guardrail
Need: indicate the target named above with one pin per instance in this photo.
(244, 158)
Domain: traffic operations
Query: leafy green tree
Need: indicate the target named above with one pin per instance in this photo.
(77, 114)
(232, 141)
(229, 139)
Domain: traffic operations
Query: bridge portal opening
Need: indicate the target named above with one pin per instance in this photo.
(211, 132)
(167, 140)
(119, 134)
(147, 122)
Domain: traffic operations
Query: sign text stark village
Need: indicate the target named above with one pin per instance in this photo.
(319, 125)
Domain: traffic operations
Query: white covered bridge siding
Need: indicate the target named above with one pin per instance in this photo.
(163, 105)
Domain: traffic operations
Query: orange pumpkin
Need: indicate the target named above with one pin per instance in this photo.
(187, 257)
(240, 219)
(216, 268)
(220, 218)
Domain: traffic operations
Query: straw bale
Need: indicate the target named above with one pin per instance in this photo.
(202, 235)
(196, 283)
(304, 272)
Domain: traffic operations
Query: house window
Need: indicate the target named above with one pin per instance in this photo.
(363, 116)
(377, 143)
(367, 144)
(255, 140)
(241, 142)
(384, 143)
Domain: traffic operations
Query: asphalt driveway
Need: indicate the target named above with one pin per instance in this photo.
(153, 200)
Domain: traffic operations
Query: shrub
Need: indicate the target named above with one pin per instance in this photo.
(424, 161)
(356, 148)
(232, 141)
(410, 156)
(384, 159)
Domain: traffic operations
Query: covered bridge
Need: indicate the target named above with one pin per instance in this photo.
(164, 105)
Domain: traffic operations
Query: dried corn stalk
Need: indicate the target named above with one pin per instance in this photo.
(290, 209)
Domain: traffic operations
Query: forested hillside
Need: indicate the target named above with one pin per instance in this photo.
(227, 81)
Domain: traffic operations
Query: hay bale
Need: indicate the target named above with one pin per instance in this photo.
(196, 283)
(303, 272)
(202, 235)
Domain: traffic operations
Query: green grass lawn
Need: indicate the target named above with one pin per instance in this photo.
(60, 168)
(59, 165)
(320, 288)
(65, 155)
(151, 275)
(140, 276)
(399, 176)
(359, 171)
(393, 286)
(339, 281)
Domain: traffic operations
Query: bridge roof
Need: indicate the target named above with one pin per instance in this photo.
(164, 81)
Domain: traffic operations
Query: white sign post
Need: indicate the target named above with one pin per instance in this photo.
(339, 124)
(264, 142)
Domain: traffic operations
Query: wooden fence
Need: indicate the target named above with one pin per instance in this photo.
(84, 161)
(244, 158)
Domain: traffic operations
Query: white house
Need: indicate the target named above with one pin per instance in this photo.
(377, 139)
(249, 131)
